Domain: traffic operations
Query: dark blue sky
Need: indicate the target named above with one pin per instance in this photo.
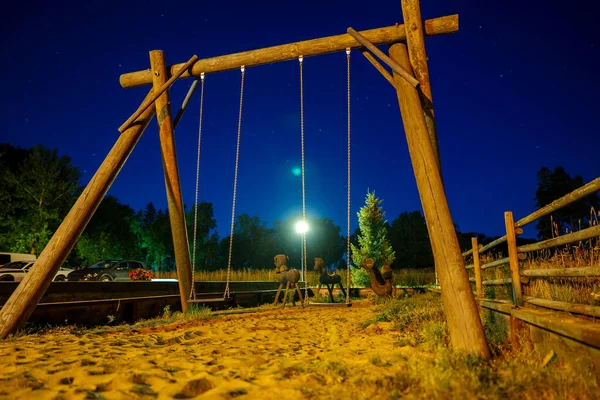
(515, 89)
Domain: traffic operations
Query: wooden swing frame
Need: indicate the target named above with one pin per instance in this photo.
(417, 113)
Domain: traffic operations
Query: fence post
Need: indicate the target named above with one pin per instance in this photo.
(477, 267)
(511, 240)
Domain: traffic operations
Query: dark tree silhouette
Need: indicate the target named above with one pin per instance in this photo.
(552, 185)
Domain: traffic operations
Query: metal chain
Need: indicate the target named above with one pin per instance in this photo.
(235, 177)
(348, 231)
(301, 60)
(192, 290)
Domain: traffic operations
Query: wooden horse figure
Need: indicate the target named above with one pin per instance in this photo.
(326, 279)
(287, 278)
(381, 282)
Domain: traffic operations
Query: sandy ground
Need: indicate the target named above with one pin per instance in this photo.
(272, 354)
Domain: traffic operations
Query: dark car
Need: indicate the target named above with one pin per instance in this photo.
(106, 271)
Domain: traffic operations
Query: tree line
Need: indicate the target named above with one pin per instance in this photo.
(38, 187)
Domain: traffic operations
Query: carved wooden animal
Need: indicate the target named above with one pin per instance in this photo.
(381, 282)
(287, 277)
(326, 279)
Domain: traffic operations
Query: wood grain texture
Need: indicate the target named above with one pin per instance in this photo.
(407, 76)
(291, 51)
(26, 296)
(563, 272)
(502, 261)
(511, 240)
(477, 267)
(464, 323)
(497, 282)
(149, 101)
(415, 40)
(575, 328)
(584, 234)
(583, 309)
(493, 244)
(173, 186)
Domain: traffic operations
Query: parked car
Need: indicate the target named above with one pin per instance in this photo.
(6, 258)
(107, 271)
(16, 270)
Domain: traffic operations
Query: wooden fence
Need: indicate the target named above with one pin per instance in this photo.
(519, 276)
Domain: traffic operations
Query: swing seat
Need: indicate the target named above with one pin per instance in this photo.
(334, 305)
(213, 302)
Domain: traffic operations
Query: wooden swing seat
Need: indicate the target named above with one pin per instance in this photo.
(329, 305)
(212, 300)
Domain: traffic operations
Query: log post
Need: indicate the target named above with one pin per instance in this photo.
(26, 296)
(511, 240)
(174, 197)
(478, 286)
(415, 39)
(464, 323)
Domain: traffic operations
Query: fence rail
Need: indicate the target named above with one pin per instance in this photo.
(557, 204)
(519, 276)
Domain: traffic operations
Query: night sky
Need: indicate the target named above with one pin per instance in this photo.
(515, 89)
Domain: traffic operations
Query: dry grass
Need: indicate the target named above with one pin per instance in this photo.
(436, 371)
(580, 290)
(402, 277)
(248, 275)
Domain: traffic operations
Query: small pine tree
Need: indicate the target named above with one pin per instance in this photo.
(372, 239)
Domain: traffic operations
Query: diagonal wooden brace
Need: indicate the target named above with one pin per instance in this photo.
(378, 66)
(406, 75)
(150, 101)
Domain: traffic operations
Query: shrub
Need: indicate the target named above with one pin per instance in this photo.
(140, 274)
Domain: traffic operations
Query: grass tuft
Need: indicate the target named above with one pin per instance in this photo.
(435, 370)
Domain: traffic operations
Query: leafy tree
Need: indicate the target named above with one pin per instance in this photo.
(41, 188)
(464, 239)
(410, 240)
(372, 239)
(254, 244)
(207, 240)
(10, 212)
(325, 241)
(552, 185)
(111, 233)
(155, 239)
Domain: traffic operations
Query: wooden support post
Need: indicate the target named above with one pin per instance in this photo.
(415, 39)
(174, 197)
(511, 241)
(26, 296)
(464, 323)
(478, 286)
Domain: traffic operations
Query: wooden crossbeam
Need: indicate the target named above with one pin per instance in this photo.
(291, 51)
